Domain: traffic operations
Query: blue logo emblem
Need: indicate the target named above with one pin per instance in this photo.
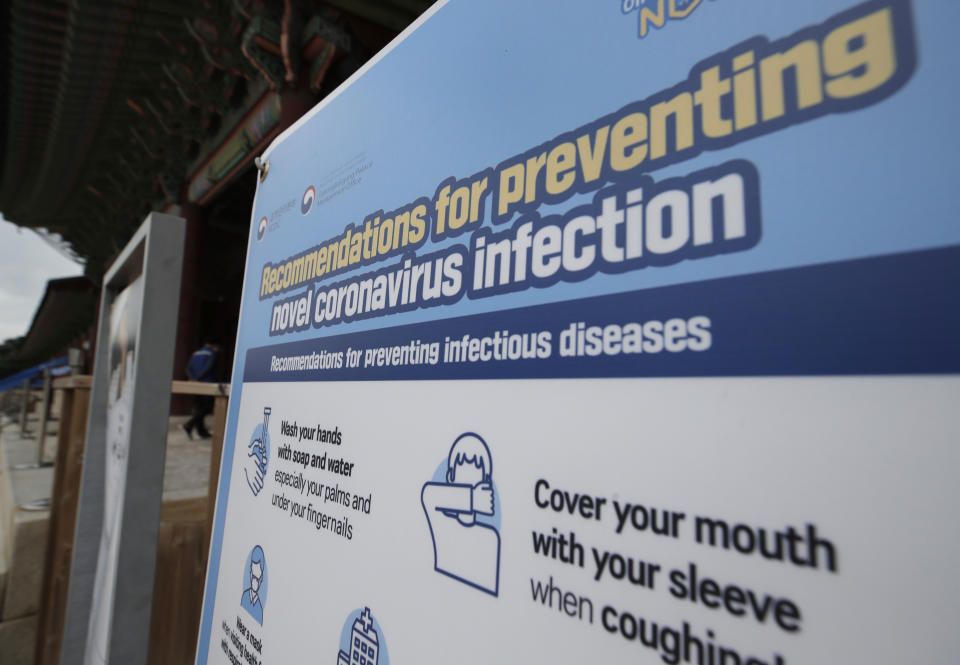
(306, 203)
(261, 228)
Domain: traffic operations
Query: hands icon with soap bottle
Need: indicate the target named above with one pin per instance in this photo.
(258, 455)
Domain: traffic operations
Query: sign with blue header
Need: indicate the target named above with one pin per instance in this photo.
(579, 331)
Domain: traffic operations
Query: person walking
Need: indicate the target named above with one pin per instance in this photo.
(202, 367)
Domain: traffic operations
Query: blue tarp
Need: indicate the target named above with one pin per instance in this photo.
(57, 366)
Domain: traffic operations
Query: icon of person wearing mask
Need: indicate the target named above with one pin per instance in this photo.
(255, 594)
(463, 548)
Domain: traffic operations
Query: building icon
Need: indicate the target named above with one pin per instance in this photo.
(364, 645)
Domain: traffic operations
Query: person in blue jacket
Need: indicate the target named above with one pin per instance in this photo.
(202, 367)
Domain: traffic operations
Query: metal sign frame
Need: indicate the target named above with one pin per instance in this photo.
(156, 253)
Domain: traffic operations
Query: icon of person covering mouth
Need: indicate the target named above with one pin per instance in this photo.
(463, 547)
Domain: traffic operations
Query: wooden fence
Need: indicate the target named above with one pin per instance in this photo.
(182, 542)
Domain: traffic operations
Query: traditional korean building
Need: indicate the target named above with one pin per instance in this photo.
(113, 108)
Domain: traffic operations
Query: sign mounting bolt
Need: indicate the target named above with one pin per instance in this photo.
(262, 166)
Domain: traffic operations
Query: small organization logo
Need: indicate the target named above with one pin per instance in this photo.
(258, 455)
(362, 641)
(657, 12)
(261, 228)
(255, 584)
(306, 203)
(461, 506)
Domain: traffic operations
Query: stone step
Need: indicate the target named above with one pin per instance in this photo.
(23, 526)
(18, 639)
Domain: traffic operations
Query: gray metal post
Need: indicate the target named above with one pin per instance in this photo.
(44, 415)
(75, 358)
(25, 407)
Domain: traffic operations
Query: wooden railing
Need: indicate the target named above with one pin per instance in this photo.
(220, 392)
(182, 542)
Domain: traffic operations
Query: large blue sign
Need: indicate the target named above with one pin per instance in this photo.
(685, 269)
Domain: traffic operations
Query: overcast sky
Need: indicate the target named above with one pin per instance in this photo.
(26, 263)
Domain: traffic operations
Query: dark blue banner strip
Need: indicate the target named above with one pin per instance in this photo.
(887, 315)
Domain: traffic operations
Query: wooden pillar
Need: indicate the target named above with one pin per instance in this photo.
(188, 315)
(293, 105)
(44, 415)
(178, 584)
(63, 518)
(216, 453)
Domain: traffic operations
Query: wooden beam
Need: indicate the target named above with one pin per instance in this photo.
(200, 388)
(84, 381)
(216, 453)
